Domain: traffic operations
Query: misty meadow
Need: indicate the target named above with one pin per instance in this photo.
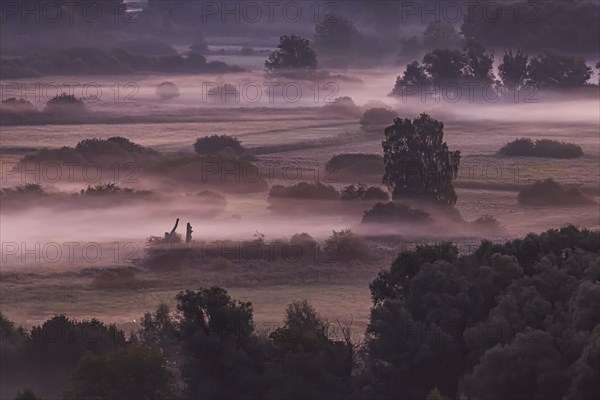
(300, 199)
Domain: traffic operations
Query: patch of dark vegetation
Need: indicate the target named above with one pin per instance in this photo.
(15, 112)
(135, 161)
(539, 293)
(101, 151)
(65, 104)
(35, 195)
(112, 189)
(345, 246)
(362, 192)
(114, 145)
(323, 198)
(294, 58)
(305, 191)
(21, 105)
(355, 164)
(393, 213)
(343, 107)
(549, 192)
(525, 147)
(167, 90)
(224, 172)
(376, 119)
(24, 190)
(487, 224)
(219, 143)
(301, 250)
(95, 61)
(30, 354)
(21, 111)
(514, 285)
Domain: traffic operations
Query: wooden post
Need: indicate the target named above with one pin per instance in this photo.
(188, 233)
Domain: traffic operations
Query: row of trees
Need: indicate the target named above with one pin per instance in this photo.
(512, 320)
(550, 69)
(295, 57)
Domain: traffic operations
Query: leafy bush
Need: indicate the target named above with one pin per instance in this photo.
(375, 119)
(15, 111)
(541, 148)
(359, 163)
(216, 143)
(550, 192)
(342, 106)
(64, 103)
(345, 246)
(21, 105)
(486, 221)
(305, 191)
(25, 189)
(393, 212)
(112, 145)
(167, 91)
(109, 189)
(362, 192)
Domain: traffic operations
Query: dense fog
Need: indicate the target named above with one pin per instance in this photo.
(357, 171)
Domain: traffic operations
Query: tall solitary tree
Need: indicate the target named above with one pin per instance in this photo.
(417, 161)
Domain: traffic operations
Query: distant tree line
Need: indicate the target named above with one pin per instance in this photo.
(549, 69)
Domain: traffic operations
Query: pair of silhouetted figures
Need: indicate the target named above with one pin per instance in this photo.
(169, 236)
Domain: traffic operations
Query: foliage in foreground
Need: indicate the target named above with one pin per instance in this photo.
(512, 320)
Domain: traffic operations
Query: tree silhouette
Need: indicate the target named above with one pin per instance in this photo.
(554, 69)
(479, 63)
(293, 56)
(441, 35)
(417, 161)
(336, 35)
(513, 70)
(445, 65)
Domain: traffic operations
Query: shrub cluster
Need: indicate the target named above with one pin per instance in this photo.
(216, 143)
(541, 148)
(360, 163)
(393, 212)
(550, 192)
